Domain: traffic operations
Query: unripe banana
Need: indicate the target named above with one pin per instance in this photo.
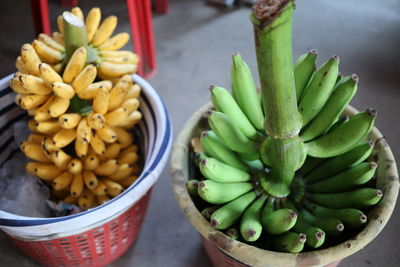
(289, 242)
(92, 23)
(346, 180)
(224, 102)
(75, 166)
(100, 101)
(63, 90)
(191, 186)
(340, 121)
(331, 226)
(50, 42)
(58, 106)
(69, 120)
(219, 193)
(335, 105)
(232, 137)
(352, 218)
(34, 85)
(42, 170)
(62, 181)
(245, 93)
(106, 168)
(310, 164)
(303, 69)
(358, 198)
(339, 163)
(220, 172)
(319, 90)
(64, 137)
(104, 31)
(46, 53)
(250, 224)
(207, 212)
(31, 59)
(225, 216)
(116, 42)
(344, 138)
(84, 78)
(90, 179)
(233, 233)
(75, 65)
(48, 74)
(34, 152)
(278, 221)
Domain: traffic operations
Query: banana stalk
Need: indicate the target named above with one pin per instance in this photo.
(282, 150)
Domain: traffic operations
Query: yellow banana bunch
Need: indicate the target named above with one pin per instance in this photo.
(111, 63)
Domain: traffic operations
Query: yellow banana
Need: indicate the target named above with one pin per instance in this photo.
(60, 24)
(100, 101)
(46, 53)
(117, 94)
(48, 145)
(58, 106)
(106, 168)
(90, 179)
(100, 189)
(132, 120)
(123, 136)
(30, 101)
(130, 158)
(128, 181)
(115, 42)
(133, 92)
(57, 67)
(114, 54)
(61, 159)
(104, 31)
(77, 12)
(116, 117)
(110, 69)
(31, 59)
(132, 59)
(131, 104)
(75, 166)
(42, 170)
(42, 113)
(35, 138)
(81, 148)
(77, 185)
(63, 90)
(84, 78)
(49, 127)
(69, 120)
(48, 74)
(75, 65)
(58, 37)
(64, 137)
(17, 86)
(97, 145)
(34, 151)
(91, 91)
(20, 65)
(112, 151)
(83, 132)
(70, 200)
(62, 181)
(102, 199)
(123, 171)
(95, 121)
(51, 42)
(86, 200)
(113, 188)
(92, 23)
(34, 85)
(107, 134)
(129, 149)
(91, 162)
(32, 125)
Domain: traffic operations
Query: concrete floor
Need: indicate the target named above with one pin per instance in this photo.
(194, 44)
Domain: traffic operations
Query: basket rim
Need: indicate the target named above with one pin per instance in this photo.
(153, 168)
(254, 256)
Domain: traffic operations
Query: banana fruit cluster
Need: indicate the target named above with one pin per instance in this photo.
(110, 62)
(81, 143)
(330, 191)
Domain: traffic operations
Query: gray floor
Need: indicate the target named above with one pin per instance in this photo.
(194, 44)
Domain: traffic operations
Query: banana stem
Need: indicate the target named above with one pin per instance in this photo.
(273, 37)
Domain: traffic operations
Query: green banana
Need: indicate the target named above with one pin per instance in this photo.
(319, 90)
(250, 225)
(278, 221)
(346, 180)
(191, 186)
(255, 155)
(233, 233)
(224, 102)
(315, 235)
(245, 92)
(230, 135)
(219, 193)
(340, 121)
(352, 218)
(214, 148)
(310, 164)
(331, 226)
(207, 212)
(358, 198)
(220, 172)
(344, 138)
(289, 242)
(331, 111)
(226, 216)
(339, 163)
(303, 69)
(199, 157)
(255, 164)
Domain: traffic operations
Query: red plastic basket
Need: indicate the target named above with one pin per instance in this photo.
(96, 247)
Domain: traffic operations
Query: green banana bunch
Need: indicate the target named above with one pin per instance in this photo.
(283, 164)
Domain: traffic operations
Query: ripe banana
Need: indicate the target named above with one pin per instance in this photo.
(92, 23)
(75, 65)
(34, 152)
(219, 193)
(48, 74)
(69, 120)
(30, 59)
(220, 172)
(62, 181)
(43, 170)
(303, 69)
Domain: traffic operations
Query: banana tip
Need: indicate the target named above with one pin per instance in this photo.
(335, 57)
(374, 165)
(208, 113)
(211, 87)
(363, 218)
(204, 134)
(214, 223)
(235, 54)
(231, 232)
(319, 235)
(372, 112)
(354, 77)
(313, 51)
(251, 233)
(292, 214)
(302, 238)
(379, 193)
(203, 162)
(201, 185)
(340, 227)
